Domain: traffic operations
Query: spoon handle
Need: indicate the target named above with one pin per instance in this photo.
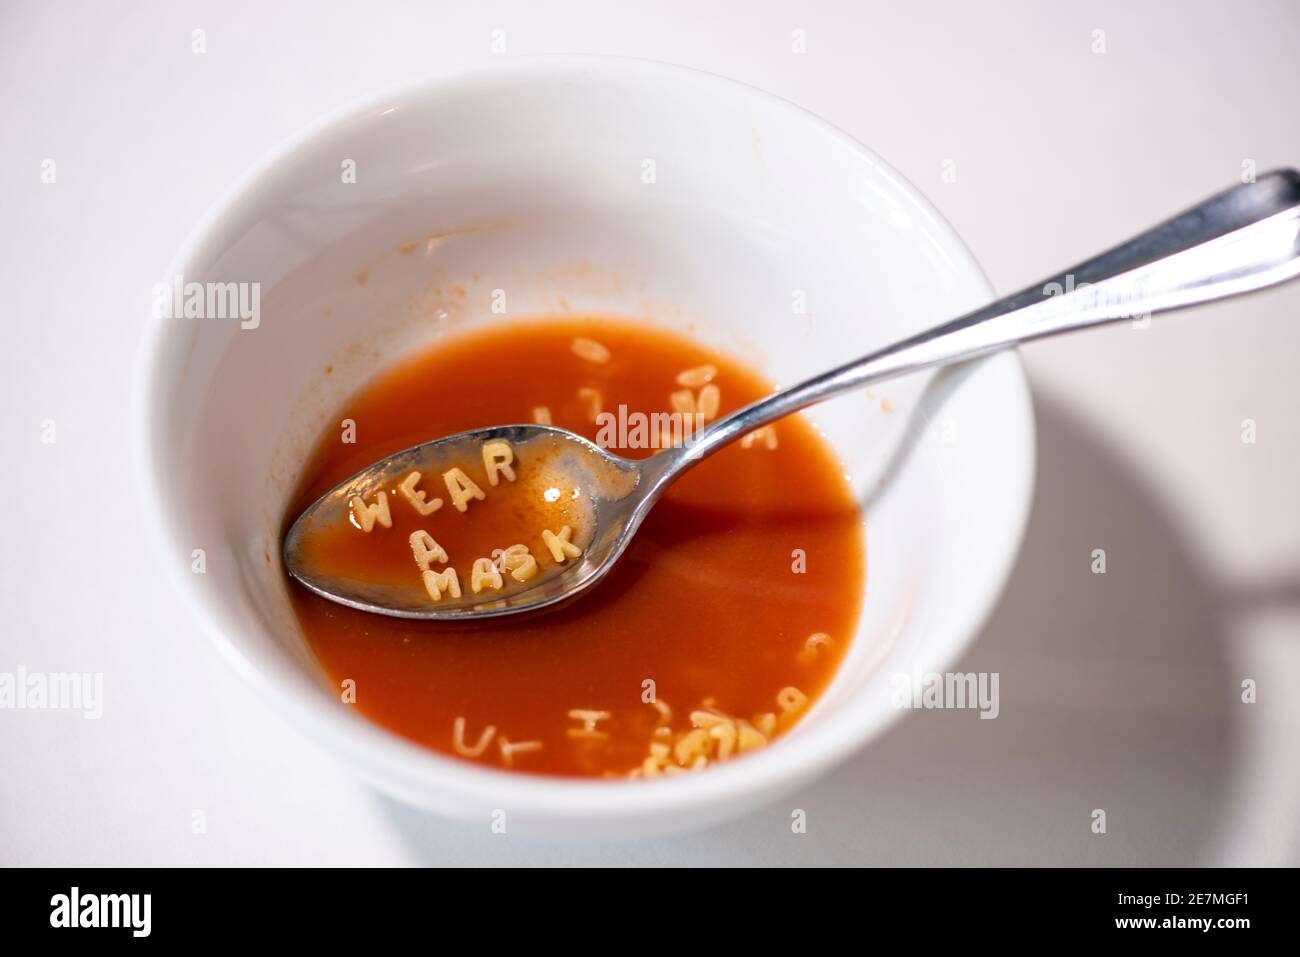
(1244, 239)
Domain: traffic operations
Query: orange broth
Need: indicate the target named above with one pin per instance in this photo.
(709, 612)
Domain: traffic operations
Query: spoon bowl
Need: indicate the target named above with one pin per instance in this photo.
(609, 491)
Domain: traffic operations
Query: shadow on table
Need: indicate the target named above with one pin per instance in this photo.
(1115, 695)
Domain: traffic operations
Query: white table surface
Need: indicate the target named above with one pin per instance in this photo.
(1118, 691)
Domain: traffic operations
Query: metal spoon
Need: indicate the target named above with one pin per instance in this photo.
(1244, 239)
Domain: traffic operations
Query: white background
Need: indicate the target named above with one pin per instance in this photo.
(1118, 692)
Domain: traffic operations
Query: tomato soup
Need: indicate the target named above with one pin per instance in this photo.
(717, 630)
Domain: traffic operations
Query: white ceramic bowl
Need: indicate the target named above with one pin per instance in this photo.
(590, 185)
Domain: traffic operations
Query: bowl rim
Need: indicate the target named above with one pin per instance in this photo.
(418, 774)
